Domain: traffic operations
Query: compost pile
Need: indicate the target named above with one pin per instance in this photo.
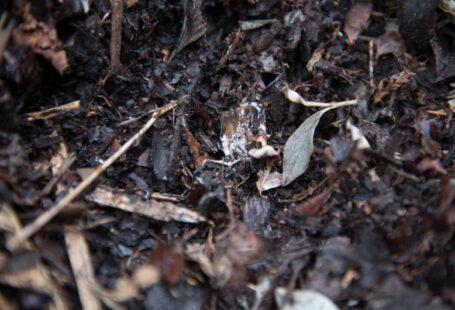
(250, 154)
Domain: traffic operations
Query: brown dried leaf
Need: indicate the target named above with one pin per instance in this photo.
(357, 20)
(311, 206)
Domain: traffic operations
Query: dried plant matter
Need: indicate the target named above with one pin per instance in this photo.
(44, 218)
(299, 147)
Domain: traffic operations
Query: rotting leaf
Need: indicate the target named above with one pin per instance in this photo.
(357, 20)
(194, 25)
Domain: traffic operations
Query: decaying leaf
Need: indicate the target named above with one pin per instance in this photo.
(158, 210)
(194, 25)
(357, 20)
(303, 300)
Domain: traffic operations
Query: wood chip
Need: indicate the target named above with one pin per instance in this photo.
(157, 210)
(82, 266)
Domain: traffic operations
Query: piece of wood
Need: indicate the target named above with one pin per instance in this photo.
(81, 264)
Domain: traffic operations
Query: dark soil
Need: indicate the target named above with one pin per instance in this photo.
(368, 228)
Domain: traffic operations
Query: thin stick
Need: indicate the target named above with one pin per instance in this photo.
(370, 62)
(116, 32)
(53, 112)
(44, 218)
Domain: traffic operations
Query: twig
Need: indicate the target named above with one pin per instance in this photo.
(370, 62)
(295, 97)
(53, 112)
(116, 32)
(44, 218)
(65, 166)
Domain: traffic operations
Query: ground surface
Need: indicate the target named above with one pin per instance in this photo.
(368, 227)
